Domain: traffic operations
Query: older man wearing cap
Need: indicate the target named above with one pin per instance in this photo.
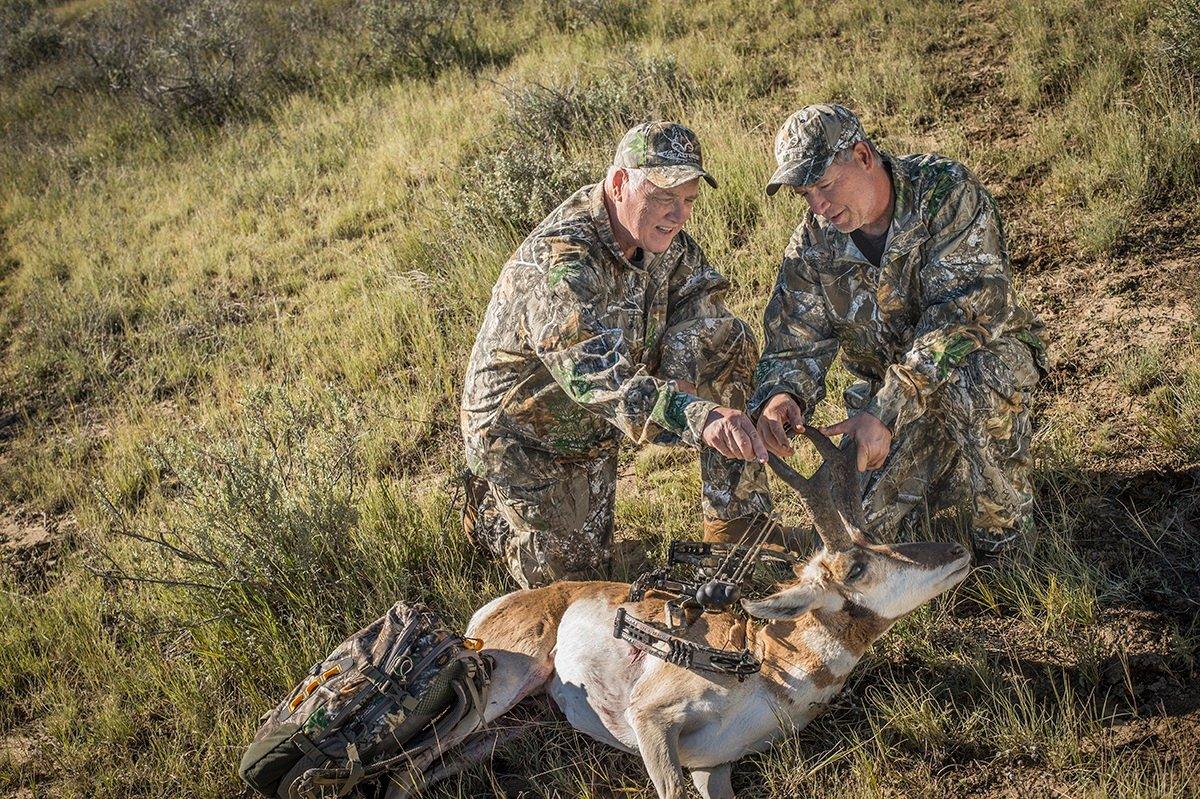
(607, 323)
(900, 263)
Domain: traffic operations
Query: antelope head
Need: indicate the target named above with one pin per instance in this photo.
(889, 580)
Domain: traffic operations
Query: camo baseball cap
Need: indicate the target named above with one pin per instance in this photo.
(667, 151)
(808, 141)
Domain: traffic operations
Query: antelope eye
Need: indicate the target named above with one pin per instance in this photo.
(856, 571)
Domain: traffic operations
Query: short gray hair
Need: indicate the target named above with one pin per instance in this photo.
(636, 177)
(843, 155)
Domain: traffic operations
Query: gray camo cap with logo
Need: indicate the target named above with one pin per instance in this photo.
(668, 152)
(808, 141)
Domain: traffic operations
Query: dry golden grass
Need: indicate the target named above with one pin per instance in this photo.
(249, 337)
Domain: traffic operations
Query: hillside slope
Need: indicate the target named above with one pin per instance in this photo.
(244, 249)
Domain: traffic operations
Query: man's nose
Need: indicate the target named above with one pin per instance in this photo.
(818, 203)
(679, 213)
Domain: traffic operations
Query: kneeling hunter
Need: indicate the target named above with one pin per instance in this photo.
(607, 323)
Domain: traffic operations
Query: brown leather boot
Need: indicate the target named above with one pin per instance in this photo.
(475, 494)
(728, 531)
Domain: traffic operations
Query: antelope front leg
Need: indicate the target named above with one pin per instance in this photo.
(713, 783)
(659, 746)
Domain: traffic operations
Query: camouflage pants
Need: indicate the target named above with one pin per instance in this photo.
(557, 528)
(552, 519)
(561, 526)
(972, 441)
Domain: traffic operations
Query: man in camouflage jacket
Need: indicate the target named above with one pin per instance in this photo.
(901, 264)
(607, 323)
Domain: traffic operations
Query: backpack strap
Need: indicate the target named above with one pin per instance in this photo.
(293, 785)
(356, 769)
(386, 685)
(314, 781)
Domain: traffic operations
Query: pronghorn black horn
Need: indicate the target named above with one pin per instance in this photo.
(829, 451)
(832, 493)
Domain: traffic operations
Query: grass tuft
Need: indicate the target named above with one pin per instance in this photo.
(554, 139)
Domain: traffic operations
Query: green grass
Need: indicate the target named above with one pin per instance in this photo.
(245, 340)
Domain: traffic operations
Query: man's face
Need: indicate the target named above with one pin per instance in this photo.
(654, 216)
(845, 195)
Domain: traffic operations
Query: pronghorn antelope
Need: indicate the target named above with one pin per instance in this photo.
(808, 636)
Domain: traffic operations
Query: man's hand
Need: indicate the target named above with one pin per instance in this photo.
(873, 437)
(731, 433)
(781, 413)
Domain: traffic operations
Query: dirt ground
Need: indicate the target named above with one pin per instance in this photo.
(30, 548)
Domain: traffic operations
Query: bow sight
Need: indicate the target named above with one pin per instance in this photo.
(720, 573)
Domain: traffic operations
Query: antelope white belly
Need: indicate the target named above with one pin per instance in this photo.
(594, 673)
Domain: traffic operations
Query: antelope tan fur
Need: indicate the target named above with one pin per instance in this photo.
(809, 635)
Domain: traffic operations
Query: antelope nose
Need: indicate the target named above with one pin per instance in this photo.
(957, 551)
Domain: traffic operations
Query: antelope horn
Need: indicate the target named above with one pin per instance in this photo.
(845, 486)
(832, 493)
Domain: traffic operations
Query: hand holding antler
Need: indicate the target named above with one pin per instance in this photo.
(872, 436)
(731, 433)
(781, 413)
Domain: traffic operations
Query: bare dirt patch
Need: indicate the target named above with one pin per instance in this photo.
(23, 755)
(30, 549)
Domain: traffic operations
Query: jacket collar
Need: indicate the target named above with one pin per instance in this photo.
(908, 230)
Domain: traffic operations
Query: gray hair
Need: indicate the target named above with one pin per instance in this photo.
(635, 177)
(844, 155)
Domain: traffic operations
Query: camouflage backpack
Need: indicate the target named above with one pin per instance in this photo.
(387, 701)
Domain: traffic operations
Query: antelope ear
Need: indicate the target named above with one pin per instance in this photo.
(790, 603)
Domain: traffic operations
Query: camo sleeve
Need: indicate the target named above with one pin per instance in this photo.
(800, 343)
(590, 360)
(701, 334)
(966, 300)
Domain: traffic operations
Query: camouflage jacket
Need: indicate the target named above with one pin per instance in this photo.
(579, 345)
(943, 290)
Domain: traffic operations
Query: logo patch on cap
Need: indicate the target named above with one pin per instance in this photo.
(669, 153)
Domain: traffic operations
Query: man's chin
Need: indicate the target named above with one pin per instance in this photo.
(659, 244)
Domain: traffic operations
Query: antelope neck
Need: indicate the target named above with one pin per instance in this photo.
(819, 648)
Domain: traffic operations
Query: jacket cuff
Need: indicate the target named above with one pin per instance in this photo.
(697, 414)
(681, 414)
(762, 395)
(895, 403)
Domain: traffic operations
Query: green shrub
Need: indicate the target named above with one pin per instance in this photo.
(205, 61)
(28, 36)
(1176, 29)
(209, 66)
(572, 16)
(114, 46)
(415, 37)
(513, 188)
(211, 60)
(555, 139)
(260, 514)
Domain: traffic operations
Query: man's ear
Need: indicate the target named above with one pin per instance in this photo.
(863, 155)
(791, 603)
(619, 180)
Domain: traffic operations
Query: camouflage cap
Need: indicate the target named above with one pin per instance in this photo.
(808, 141)
(667, 151)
